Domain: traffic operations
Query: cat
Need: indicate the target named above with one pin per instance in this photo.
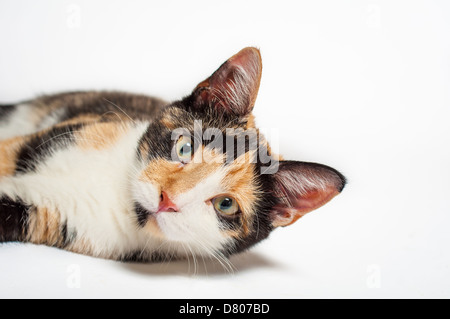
(103, 174)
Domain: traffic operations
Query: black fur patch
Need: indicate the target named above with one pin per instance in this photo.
(141, 213)
(68, 236)
(184, 117)
(143, 257)
(5, 110)
(110, 105)
(231, 222)
(13, 219)
(262, 222)
(160, 147)
(40, 146)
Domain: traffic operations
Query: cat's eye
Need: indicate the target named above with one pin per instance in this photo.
(226, 205)
(184, 149)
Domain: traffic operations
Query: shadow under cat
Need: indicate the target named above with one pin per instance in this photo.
(204, 267)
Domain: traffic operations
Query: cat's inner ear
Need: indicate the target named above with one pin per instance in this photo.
(302, 187)
(234, 86)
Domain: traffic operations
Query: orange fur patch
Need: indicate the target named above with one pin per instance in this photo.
(100, 135)
(251, 121)
(174, 179)
(8, 155)
(85, 118)
(167, 121)
(153, 227)
(82, 246)
(238, 183)
(232, 233)
(170, 118)
(44, 227)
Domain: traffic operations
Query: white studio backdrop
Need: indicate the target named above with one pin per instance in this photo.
(362, 86)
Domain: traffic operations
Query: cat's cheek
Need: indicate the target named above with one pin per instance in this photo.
(179, 227)
(199, 229)
(146, 194)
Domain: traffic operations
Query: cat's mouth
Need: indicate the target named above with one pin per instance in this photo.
(143, 214)
(147, 219)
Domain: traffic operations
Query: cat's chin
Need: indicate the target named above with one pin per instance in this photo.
(153, 228)
(148, 221)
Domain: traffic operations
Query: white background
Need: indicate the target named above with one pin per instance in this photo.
(363, 86)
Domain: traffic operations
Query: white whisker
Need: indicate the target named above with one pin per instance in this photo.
(112, 103)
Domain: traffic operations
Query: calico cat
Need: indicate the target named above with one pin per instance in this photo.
(104, 174)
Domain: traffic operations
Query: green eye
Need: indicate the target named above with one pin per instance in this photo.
(184, 149)
(226, 205)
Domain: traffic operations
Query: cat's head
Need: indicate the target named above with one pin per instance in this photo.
(209, 184)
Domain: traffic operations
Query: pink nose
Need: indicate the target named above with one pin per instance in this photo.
(166, 205)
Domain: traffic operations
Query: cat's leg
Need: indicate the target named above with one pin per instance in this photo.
(24, 215)
(69, 187)
(13, 219)
(21, 220)
(14, 213)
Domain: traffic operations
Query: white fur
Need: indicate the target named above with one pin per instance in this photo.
(51, 119)
(197, 223)
(92, 191)
(195, 229)
(19, 122)
(147, 194)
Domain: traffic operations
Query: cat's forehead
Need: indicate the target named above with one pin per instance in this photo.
(221, 128)
(175, 116)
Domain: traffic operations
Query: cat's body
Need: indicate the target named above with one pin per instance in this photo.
(75, 107)
(100, 173)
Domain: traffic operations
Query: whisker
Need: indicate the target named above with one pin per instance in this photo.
(112, 103)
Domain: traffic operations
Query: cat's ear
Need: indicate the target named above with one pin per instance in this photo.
(234, 86)
(302, 187)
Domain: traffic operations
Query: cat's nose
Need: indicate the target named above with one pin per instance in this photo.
(166, 204)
